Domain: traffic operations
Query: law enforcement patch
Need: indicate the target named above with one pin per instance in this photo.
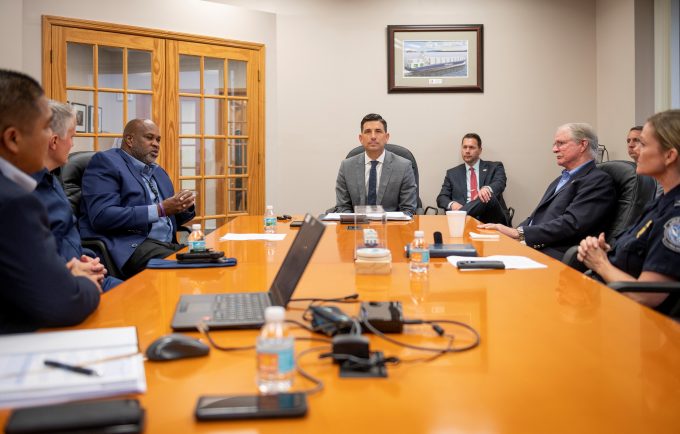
(671, 234)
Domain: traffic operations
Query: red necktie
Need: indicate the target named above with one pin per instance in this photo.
(473, 184)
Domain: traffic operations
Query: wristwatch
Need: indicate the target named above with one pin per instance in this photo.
(520, 232)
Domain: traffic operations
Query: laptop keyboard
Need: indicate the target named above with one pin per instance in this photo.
(240, 307)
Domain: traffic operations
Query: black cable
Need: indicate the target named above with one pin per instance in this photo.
(318, 383)
(352, 298)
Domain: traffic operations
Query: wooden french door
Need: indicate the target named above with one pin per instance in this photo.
(207, 99)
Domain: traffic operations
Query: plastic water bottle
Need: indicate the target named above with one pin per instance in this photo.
(269, 220)
(196, 239)
(275, 353)
(419, 254)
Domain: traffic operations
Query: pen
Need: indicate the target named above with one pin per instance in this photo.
(71, 368)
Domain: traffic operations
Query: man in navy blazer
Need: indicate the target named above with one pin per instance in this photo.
(576, 204)
(476, 186)
(129, 203)
(37, 289)
(377, 176)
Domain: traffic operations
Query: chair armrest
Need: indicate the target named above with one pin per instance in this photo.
(427, 209)
(670, 287)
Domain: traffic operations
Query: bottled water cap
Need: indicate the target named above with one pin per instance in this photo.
(196, 227)
(274, 313)
(419, 234)
(270, 207)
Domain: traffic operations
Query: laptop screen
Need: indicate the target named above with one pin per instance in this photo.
(296, 261)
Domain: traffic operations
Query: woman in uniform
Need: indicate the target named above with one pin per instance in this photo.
(649, 251)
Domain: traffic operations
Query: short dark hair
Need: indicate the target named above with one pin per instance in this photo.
(373, 117)
(19, 95)
(636, 128)
(472, 136)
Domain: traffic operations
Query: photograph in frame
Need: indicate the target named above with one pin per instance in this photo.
(81, 117)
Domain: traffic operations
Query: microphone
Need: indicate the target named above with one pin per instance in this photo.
(438, 238)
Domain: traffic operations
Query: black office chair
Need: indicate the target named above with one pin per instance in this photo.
(633, 193)
(670, 308)
(404, 153)
(72, 178)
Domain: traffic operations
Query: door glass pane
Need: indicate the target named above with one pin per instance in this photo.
(139, 70)
(79, 64)
(213, 117)
(139, 106)
(213, 76)
(215, 196)
(110, 67)
(237, 78)
(111, 104)
(80, 100)
(238, 163)
(109, 142)
(211, 224)
(191, 184)
(214, 156)
(190, 157)
(238, 194)
(238, 118)
(82, 144)
(189, 74)
(189, 115)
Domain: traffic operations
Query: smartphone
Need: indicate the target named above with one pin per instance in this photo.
(296, 223)
(200, 257)
(251, 406)
(477, 265)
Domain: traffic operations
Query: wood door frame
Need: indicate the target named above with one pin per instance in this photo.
(168, 129)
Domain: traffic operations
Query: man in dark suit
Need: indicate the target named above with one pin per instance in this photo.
(475, 186)
(576, 204)
(36, 288)
(129, 203)
(376, 177)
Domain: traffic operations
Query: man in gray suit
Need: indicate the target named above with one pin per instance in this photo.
(376, 177)
(475, 186)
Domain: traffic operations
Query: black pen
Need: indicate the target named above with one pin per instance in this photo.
(70, 368)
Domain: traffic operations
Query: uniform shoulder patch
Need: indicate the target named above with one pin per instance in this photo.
(671, 234)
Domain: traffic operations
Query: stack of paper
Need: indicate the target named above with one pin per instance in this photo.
(389, 215)
(112, 352)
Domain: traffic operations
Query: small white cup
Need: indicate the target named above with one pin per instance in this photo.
(456, 220)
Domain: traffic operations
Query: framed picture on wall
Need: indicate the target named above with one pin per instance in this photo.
(90, 119)
(435, 58)
(81, 117)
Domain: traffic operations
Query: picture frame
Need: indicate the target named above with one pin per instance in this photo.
(81, 117)
(90, 119)
(435, 58)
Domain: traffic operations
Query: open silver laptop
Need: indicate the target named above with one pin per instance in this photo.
(246, 310)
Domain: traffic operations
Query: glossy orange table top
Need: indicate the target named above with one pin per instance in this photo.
(560, 353)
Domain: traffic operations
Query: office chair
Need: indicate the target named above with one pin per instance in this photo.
(670, 308)
(404, 153)
(633, 193)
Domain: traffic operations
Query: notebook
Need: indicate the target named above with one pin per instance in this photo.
(246, 310)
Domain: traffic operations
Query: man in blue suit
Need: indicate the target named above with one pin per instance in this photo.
(36, 288)
(476, 186)
(129, 203)
(576, 204)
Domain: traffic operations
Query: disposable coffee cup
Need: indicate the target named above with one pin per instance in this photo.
(456, 220)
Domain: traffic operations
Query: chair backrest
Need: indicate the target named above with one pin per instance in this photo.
(402, 152)
(72, 177)
(633, 192)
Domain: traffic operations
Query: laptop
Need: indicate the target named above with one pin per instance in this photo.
(246, 310)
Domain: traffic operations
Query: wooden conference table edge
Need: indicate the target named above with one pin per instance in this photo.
(162, 287)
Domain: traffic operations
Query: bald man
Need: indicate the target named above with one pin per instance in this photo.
(129, 203)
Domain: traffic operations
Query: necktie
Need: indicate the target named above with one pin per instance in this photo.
(563, 180)
(372, 181)
(473, 184)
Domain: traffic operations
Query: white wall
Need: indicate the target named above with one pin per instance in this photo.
(10, 34)
(545, 63)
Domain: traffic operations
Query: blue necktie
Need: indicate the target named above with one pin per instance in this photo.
(563, 180)
(372, 198)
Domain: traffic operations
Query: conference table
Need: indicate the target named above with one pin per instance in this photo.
(559, 352)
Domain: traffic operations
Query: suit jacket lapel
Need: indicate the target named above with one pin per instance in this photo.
(385, 175)
(483, 172)
(550, 194)
(460, 179)
(135, 173)
(360, 176)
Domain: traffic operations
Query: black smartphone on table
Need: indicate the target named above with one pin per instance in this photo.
(251, 406)
(296, 223)
(200, 257)
(479, 265)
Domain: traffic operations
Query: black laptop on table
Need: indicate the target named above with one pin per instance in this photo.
(246, 310)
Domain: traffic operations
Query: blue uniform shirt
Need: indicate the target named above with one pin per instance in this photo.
(653, 242)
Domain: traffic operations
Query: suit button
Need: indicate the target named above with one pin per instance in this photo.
(133, 245)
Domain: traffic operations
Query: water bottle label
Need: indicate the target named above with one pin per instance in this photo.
(420, 255)
(276, 362)
(197, 246)
(270, 221)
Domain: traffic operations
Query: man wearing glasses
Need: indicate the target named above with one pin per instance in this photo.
(128, 200)
(576, 204)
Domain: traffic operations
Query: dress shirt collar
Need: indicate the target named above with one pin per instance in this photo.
(380, 159)
(12, 173)
(573, 171)
(144, 169)
(475, 166)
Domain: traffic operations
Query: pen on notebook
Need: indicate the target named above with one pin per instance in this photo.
(71, 368)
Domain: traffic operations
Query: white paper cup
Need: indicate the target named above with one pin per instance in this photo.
(456, 220)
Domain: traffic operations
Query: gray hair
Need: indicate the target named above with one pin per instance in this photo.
(62, 116)
(583, 131)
